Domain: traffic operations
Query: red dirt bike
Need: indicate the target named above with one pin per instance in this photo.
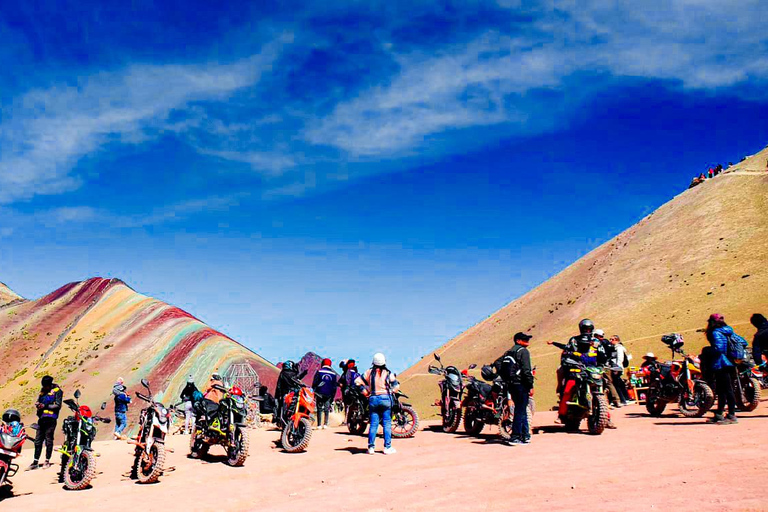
(296, 418)
(12, 437)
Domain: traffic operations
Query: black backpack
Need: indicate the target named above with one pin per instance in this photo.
(509, 368)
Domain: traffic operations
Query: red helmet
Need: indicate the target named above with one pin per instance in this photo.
(236, 391)
(464, 372)
(85, 411)
(326, 362)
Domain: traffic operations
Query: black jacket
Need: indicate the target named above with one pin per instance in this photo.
(187, 392)
(286, 381)
(760, 343)
(523, 358)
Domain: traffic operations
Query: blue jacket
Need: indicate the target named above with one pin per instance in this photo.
(719, 342)
(325, 382)
(121, 402)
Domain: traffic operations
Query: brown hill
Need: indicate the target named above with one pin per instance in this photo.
(8, 296)
(89, 333)
(704, 251)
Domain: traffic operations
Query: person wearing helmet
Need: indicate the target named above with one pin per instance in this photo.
(347, 384)
(286, 382)
(211, 393)
(379, 383)
(48, 406)
(324, 384)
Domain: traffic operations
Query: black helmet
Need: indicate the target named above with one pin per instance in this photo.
(488, 373)
(289, 365)
(586, 326)
(11, 415)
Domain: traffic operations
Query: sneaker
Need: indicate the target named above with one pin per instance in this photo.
(624, 404)
(33, 466)
(717, 418)
(610, 426)
(46, 464)
(515, 441)
(527, 440)
(389, 451)
(371, 451)
(325, 427)
(730, 420)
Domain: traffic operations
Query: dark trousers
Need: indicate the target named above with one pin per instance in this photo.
(520, 395)
(46, 427)
(724, 383)
(620, 386)
(323, 408)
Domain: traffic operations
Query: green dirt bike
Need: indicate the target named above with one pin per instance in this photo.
(405, 421)
(78, 464)
(589, 401)
(224, 424)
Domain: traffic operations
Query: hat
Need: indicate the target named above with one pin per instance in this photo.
(649, 355)
(326, 362)
(716, 317)
(599, 332)
(379, 359)
(521, 336)
(190, 379)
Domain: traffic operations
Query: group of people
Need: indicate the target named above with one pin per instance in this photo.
(377, 384)
(711, 173)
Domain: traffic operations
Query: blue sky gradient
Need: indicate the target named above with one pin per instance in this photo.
(362, 177)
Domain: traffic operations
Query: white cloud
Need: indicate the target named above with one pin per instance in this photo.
(695, 43)
(47, 131)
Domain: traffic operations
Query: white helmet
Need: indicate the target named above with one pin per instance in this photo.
(649, 355)
(379, 359)
(599, 332)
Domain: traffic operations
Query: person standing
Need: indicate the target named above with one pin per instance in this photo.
(621, 361)
(324, 384)
(121, 408)
(48, 406)
(760, 341)
(379, 383)
(188, 399)
(516, 371)
(719, 334)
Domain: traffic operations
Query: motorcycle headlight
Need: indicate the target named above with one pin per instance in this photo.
(7, 441)
(239, 402)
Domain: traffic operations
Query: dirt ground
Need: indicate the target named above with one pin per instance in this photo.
(647, 463)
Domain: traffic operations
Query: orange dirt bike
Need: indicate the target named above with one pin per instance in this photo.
(149, 455)
(678, 381)
(296, 418)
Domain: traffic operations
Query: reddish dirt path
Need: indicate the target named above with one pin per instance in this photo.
(664, 463)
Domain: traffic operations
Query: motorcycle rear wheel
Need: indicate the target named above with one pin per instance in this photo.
(197, 447)
(77, 478)
(751, 396)
(297, 440)
(473, 425)
(237, 455)
(405, 423)
(151, 473)
(653, 404)
(702, 401)
(356, 423)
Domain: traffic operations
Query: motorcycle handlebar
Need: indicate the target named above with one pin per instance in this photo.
(144, 397)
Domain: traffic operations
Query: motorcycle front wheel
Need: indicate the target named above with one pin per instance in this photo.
(405, 423)
(79, 475)
(598, 420)
(452, 418)
(653, 404)
(473, 425)
(297, 439)
(750, 397)
(149, 465)
(697, 404)
(237, 454)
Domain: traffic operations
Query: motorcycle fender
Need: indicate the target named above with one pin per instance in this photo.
(8, 453)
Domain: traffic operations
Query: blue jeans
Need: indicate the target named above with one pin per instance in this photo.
(380, 407)
(120, 422)
(520, 396)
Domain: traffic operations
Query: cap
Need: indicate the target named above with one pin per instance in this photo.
(716, 317)
(599, 332)
(649, 355)
(326, 362)
(522, 336)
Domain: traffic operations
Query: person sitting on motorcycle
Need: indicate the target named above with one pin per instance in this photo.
(378, 384)
(212, 393)
(286, 382)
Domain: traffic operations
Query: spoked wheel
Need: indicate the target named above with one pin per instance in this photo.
(296, 439)
(237, 453)
(452, 418)
(79, 475)
(405, 422)
(751, 395)
(598, 420)
(696, 404)
(473, 425)
(150, 464)
(197, 447)
(505, 422)
(356, 422)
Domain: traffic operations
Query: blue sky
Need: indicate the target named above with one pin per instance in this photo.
(368, 176)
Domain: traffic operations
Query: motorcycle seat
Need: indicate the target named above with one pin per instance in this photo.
(207, 407)
(484, 389)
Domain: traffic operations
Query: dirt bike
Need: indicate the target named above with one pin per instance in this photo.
(451, 392)
(78, 463)
(149, 455)
(746, 387)
(223, 424)
(588, 400)
(760, 372)
(296, 418)
(12, 437)
(488, 404)
(678, 381)
(405, 421)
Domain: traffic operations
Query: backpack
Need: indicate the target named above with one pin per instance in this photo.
(197, 395)
(625, 362)
(509, 368)
(737, 348)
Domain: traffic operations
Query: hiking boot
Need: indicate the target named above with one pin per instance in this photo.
(717, 418)
(389, 451)
(33, 466)
(371, 451)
